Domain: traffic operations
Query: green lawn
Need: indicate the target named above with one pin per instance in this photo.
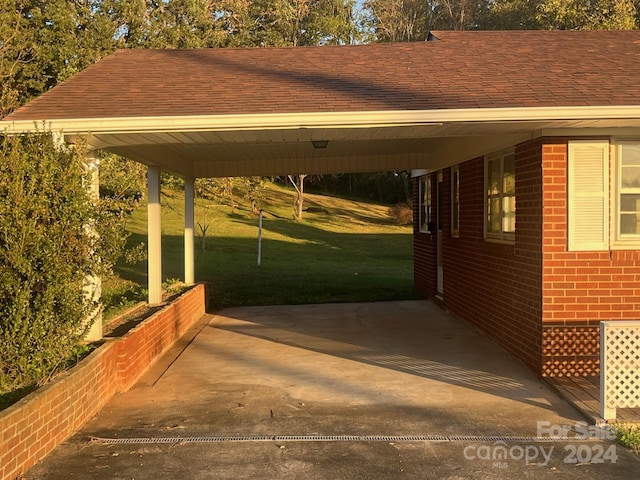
(345, 251)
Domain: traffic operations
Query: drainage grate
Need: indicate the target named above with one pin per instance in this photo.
(336, 438)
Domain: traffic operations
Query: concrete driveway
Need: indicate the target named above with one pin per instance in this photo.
(346, 391)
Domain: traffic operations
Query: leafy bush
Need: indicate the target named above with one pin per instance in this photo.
(402, 214)
(46, 253)
(628, 436)
(122, 185)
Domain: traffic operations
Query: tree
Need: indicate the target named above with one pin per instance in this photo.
(411, 20)
(511, 15)
(46, 252)
(399, 21)
(184, 24)
(304, 22)
(122, 186)
(203, 225)
(459, 14)
(587, 15)
(562, 15)
(253, 187)
(12, 53)
(45, 42)
(298, 183)
(129, 21)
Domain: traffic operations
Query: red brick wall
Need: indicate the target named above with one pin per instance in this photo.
(540, 301)
(33, 427)
(580, 288)
(424, 249)
(497, 287)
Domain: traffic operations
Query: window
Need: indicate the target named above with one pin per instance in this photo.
(500, 182)
(425, 204)
(455, 201)
(626, 213)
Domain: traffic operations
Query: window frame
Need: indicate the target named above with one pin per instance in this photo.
(619, 240)
(455, 201)
(506, 237)
(425, 208)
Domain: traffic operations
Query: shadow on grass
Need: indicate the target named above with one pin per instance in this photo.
(326, 213)
(310, 265)
(310, 233)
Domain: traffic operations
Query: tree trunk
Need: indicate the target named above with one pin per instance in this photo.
(228, 190)
(203, 238)
(298, 184)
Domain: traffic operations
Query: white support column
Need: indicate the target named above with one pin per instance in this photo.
(93, 283)
(189, 263)
(154, 232)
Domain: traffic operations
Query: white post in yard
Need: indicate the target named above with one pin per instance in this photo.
(260, 238)
(189, 263)
(154, 232)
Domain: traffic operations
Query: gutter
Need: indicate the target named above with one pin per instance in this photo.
(337, 120)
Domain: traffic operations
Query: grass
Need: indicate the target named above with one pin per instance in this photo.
(342, 251)
(119, 294)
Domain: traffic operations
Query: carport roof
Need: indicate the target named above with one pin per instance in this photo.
(426, 105)
(462, 70)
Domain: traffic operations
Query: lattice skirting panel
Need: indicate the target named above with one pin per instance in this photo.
(620, 361)
(570, 350)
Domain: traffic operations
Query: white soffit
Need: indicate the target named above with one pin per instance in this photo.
(229, 145)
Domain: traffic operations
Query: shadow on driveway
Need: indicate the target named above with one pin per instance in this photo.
(376, 369)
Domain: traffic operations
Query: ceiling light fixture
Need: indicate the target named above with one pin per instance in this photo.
(320, 143)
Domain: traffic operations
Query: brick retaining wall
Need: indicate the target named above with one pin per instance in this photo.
(35, 425)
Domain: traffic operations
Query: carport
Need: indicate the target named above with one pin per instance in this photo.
(277, 111)
(313, 110)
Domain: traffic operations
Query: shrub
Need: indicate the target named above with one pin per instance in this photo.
(45, 257)
(122, 184)
(402, 214)
(628, 436)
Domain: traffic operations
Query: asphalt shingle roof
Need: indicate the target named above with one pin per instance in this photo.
(461, 70)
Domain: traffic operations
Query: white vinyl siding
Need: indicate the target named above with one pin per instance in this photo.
(588, 184)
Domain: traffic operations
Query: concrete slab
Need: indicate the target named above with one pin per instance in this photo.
(377, 369)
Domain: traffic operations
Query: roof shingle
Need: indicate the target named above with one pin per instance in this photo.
(461, 70)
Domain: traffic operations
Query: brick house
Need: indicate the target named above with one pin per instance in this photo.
(540, 277)
(524, 147)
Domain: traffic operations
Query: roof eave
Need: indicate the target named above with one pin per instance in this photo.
(349, 119)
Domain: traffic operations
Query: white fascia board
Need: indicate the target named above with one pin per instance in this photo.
(632, 132)
(318, 120)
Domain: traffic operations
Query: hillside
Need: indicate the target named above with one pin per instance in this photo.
(343, 250)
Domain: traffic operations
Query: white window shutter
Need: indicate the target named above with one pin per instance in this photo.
(588, 195)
